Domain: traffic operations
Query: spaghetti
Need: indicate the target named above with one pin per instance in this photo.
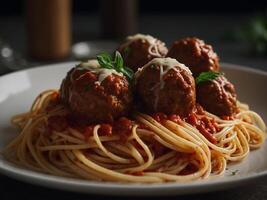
(153, 151)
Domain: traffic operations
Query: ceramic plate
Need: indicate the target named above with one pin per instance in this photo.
(17, 91)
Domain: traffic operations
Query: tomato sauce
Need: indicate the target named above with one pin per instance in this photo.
(227, 117)
(57, 123)
(206, 126)
(105, 129)
(123, 126)
(138, 173)
(158, 148)
(88, 131)
(54, 101)
(161, 117)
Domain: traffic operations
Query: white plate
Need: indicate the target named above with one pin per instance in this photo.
(17, 91)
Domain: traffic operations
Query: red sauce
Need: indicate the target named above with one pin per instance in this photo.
(205, 126)
(137, 173)
(142, 126)
(54, 101)
(227, 117)
(136, 145)
(105, 129)
(192, 119)
(199, 110)
(217, 128)
(175, 118)
(57, 123)
(88, 132)
(158, 148)
(123, 127)
(161, 117)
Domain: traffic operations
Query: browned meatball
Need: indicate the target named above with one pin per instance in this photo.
(165, 85)
(139, 49)
(195, 54)
(217, 96)
(94, 94)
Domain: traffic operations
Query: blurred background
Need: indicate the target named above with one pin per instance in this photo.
(35, 32)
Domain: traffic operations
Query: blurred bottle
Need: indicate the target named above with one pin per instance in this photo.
(118, 18)
(48, 26)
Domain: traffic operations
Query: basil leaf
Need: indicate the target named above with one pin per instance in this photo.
(127, 72)
(118, 60)
(106, 61)
(106, 57)
(207, 76)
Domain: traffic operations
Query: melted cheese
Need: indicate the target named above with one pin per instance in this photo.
(90, 64)
(153, 43)
(169, 64)
(103, 73)
(148, 38)
(165, 65)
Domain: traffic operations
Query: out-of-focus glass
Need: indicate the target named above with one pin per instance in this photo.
(48, 26)
(118, 18)
(10, 60)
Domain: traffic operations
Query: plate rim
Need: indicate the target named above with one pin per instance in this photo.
(222, 64)
(85, 186)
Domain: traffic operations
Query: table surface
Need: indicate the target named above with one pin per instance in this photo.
(211, 28)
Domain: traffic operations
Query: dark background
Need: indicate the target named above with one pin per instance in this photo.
(215, 21)
(15, 7)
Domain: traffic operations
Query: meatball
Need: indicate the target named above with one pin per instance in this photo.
(139, 49)
(94, 94)
(195, 54)
(165, 85)
(217, 96)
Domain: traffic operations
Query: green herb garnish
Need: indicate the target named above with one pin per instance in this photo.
(255, 35)
(234, 172)
(116, 63)
(207, 76)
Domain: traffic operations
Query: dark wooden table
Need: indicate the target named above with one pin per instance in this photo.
(168, 28)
